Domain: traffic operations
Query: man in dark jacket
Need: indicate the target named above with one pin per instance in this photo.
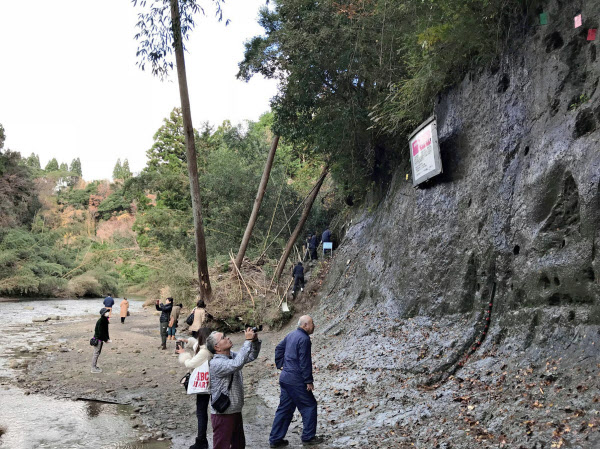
(296, 383)
(165, 316)
(312, 246)
(298, 274)
(101, 333)
(109, 302)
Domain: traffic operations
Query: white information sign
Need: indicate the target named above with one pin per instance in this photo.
(425, 152)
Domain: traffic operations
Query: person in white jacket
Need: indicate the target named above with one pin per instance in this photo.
(201, 355)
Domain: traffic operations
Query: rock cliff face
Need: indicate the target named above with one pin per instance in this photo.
(439, 294)
(517, 204)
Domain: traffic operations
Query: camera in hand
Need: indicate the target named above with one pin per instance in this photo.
(255, 329)
(179, 345)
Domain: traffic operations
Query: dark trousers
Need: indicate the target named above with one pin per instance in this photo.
(313, 253)
(228, 431)
(292, 397)
(163, 332)
(122, 319)
(202, 415)
(298, 282)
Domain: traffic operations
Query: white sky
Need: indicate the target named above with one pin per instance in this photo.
(69, 86)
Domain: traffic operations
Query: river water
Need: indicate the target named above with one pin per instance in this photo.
(37, 421)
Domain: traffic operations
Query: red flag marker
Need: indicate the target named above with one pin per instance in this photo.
(592, 34)
(578, 21)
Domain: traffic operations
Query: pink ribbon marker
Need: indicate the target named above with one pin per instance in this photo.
(578, 21)
(592, 34)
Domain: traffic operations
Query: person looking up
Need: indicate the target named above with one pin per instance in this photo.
(164, 319)
(226, 378)
(101, 333)
(201, 355)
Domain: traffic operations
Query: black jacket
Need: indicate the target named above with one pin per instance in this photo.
(314, 242)
(326, 237)
(101, 331)
(298, 271)
(165, 316)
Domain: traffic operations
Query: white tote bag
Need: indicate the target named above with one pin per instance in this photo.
(199, 380)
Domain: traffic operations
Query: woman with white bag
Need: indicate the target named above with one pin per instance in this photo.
(199, 381)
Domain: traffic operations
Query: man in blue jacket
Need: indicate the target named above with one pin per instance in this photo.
(296, 382)
(109, 303)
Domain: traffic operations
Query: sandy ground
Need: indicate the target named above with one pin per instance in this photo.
(137, 372)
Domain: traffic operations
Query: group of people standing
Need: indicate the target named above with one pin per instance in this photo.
(292, 356)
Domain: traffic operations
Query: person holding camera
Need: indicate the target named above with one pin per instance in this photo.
(165, 317)
(293, 356)
(227, 387)
(201, 355)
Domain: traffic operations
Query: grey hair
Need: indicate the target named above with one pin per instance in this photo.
(303, 320)
(211, 342)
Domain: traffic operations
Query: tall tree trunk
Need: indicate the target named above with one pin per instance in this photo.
(257, 202)
(300, 225)
(192, 163)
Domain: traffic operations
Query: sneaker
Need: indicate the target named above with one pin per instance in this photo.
(293, 292)
(95, 369)
(301, 290)
(313, 441)
(280, 443)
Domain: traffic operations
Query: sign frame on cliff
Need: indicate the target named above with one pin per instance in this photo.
(424, 150)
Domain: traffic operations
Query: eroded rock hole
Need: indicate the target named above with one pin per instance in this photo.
(504, 83)
(563, 244)
(516, 250)
(526, 152)
(559, 298)
(585, 123)
(553, 42)
(565, 214)
(554, 107)
(556, 281)
(469, 203)
(589, 274)
(544, 282)
(571, 315)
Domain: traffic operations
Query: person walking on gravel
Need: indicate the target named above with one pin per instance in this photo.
(293, 355)
(165, 316)
(109, 302)
(101, 333)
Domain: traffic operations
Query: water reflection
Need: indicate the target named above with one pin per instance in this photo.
(37, 421)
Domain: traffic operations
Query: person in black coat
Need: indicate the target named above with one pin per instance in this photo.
(312, 246)
(298, 274)
(101, 333)
(165, 317)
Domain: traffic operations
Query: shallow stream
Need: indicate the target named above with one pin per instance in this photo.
(37, 421)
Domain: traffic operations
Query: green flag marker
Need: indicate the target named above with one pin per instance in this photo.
(544, 18)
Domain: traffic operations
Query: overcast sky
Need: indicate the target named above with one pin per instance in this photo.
(69, 86)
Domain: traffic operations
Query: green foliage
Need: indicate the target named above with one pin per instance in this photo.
(114, 203)
(578, 101)
(33, 161)
(155, 33)
(52, 165)
(76, 167)
(63, 167)
(355, 76)
(121, 171)
(2, 136)
(18, 201)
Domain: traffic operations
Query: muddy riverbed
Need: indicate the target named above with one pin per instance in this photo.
(371, 374)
